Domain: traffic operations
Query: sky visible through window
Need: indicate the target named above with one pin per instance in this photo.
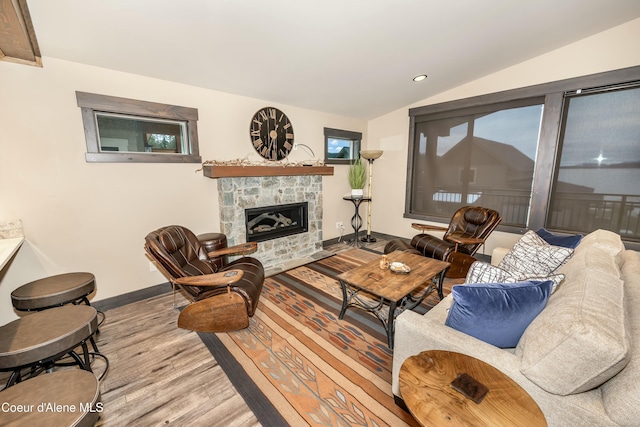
(337, 146)
(519, 127)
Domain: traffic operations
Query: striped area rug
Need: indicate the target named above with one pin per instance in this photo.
(315, 369)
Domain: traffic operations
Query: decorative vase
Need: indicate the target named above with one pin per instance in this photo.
(357, 192)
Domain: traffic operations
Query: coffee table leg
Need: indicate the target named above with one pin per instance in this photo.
(345, 303)
(391, 324)
(440, 283)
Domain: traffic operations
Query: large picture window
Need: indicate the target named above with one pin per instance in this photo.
(597, 181)
(483, 156)
(563, 155)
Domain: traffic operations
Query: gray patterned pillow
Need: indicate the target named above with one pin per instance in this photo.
(482, 272)
(532, 256)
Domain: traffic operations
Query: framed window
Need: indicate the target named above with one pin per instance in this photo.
(476, 156)
(126, 130)
(562, 155)
(598, 171)
(341, 146)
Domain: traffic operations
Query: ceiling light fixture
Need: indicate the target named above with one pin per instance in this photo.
(419, 78)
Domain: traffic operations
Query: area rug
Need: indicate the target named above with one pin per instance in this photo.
(313, 368)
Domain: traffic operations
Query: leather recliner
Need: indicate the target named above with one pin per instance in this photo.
(224, 294)
(469, 228)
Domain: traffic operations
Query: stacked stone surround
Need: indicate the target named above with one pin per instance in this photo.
(237, 194)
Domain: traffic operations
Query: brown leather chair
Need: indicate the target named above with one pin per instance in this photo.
(469, 228)
(224, 295)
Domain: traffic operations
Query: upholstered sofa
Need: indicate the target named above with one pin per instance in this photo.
(579, 358)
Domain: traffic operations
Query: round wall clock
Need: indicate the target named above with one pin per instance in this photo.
(271, 133)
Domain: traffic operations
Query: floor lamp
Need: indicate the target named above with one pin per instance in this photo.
(370, 155)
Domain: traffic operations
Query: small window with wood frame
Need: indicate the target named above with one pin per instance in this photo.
(341, 146)
(125, 130)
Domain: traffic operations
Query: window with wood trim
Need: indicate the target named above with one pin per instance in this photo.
(563, 155)
(127, 131)
(341, 146)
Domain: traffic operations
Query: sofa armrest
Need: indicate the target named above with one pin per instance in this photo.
(415, 333)
(497, 254)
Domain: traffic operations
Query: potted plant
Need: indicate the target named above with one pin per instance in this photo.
(357, 177)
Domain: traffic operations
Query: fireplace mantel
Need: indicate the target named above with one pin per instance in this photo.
(224, 171)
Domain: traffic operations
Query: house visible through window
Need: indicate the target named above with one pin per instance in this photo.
(481, 156)
(563, 155)
(341, 146)
(124, 130)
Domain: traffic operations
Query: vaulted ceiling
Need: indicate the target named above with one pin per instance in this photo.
(349, 57)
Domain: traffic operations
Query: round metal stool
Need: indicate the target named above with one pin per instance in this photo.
(65, 398)
(54, 291)
(36, 342)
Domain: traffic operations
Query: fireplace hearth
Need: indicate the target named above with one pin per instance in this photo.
(271, 222)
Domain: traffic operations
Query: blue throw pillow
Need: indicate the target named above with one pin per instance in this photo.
(571, 241)
(497, 313)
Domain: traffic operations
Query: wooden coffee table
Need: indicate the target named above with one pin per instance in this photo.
(389, 288)
(425, 386)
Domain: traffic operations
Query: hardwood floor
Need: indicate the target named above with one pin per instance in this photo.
(163, 375)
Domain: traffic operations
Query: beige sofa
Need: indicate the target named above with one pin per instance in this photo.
(579, 358)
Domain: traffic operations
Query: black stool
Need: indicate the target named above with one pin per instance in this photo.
(56, 291)
(37, 341)
(76, 391)
(213, 242)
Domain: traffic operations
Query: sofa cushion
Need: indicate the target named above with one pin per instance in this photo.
(532, 256)
(621, 394)
(605, 240)
(497, 313)
(580, 340)
(566, 241)
(482, 272)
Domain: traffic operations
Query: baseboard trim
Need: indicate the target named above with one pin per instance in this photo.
(131, 297)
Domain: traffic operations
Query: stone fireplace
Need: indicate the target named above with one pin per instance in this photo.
(237, 194)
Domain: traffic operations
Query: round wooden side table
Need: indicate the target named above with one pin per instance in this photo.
(425, 385)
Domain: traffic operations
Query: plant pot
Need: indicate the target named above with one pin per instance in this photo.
(357, 192)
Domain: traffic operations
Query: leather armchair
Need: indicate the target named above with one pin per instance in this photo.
(224, 294)
(469, 228)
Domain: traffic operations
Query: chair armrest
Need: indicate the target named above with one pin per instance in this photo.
(243, 249)
(215, 279)
(465, 240)
(424, 227)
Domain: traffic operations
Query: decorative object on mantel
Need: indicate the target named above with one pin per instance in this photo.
(370, 155)
(271, 133)
(357, 177)
(249, 168)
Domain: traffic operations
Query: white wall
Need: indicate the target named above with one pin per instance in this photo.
(93, 217)
(610, 50)
(81, 216)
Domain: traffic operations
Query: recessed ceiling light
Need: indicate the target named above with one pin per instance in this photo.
(419, 78)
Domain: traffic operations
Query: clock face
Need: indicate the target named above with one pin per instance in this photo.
(271, 133)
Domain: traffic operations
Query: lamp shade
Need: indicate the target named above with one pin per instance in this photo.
(370, 154)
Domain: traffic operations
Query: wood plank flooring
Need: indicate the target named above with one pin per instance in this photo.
(161, 375)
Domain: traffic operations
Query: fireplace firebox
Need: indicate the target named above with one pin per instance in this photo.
(272, 222)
